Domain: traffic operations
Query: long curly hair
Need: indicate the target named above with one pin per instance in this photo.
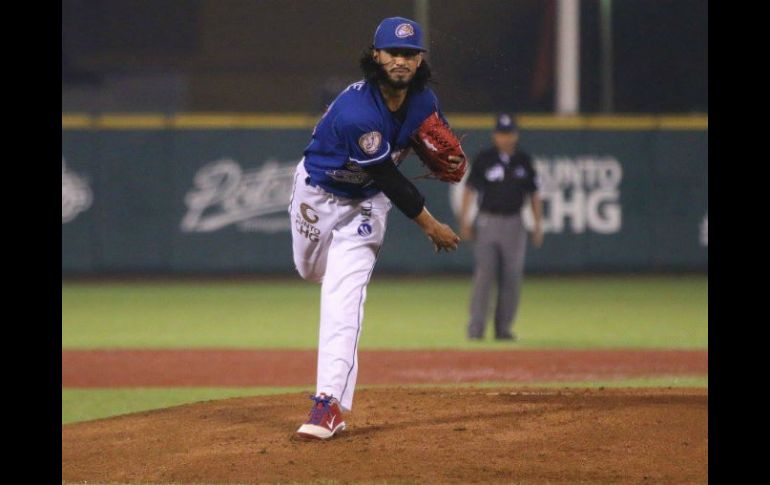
(375, 74)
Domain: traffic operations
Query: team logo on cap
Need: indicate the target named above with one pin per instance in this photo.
(505, 120)
(370, 142)
(404, 30)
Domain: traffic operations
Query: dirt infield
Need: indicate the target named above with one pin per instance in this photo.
(133, 368)
(469, 435)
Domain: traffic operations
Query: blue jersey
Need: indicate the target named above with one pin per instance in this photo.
(358, 130)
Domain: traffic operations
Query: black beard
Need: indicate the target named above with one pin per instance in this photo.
(397, 84)
(385, 79)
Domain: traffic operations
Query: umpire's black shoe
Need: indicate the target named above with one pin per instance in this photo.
(511, 337)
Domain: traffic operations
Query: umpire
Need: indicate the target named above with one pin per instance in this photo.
(502, 178)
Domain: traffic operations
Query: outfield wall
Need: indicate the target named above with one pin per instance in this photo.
(208, 193)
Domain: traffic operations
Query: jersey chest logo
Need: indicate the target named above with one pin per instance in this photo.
(495, 173)
(370, 142)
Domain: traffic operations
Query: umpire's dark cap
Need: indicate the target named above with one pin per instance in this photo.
(506, 123)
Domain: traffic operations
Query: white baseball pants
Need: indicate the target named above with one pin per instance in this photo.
(335, 242)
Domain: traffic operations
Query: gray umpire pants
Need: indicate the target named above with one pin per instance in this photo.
(501, 241)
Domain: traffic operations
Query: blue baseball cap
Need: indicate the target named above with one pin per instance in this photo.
(506, 123)
(398, 32)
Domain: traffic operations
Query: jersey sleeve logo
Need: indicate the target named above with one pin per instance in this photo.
(370, 142)
(404, 30)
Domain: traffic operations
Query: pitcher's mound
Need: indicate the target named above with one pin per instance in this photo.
(467, 435)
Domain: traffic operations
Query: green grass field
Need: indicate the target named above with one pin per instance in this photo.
(88, 404)
(565, 312)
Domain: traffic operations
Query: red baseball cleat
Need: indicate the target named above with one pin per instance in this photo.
(325, 419)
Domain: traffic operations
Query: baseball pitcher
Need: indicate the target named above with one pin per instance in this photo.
(344, 187)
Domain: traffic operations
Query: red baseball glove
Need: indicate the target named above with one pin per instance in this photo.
(439, 150)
